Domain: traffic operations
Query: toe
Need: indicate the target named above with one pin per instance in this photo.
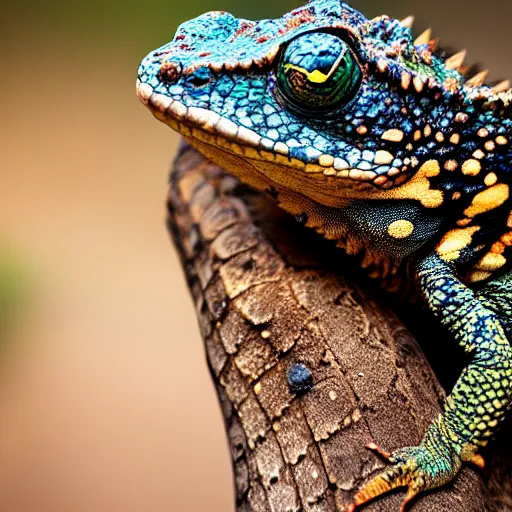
(398, 475)
(478, 461)
(411, 494)
(379, 451)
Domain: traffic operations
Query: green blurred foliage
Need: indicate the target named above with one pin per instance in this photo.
(14, 287)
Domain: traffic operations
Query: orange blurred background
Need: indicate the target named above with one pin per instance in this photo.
(106, 403)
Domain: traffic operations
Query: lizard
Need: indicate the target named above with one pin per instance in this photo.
(380, 142)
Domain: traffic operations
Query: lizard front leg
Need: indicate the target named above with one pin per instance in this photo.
(478, 400)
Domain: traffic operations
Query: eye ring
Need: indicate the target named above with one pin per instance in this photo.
(317, 73)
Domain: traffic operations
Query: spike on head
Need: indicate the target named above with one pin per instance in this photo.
(456, 61)
(501, 87)
(424, 38)
(433, 44)
(479, 79)
(408, 22)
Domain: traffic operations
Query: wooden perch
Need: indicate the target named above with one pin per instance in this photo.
(266, 302)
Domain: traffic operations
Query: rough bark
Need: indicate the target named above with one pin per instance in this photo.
(268, 296)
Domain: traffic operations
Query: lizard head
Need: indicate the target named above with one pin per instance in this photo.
(322, 103)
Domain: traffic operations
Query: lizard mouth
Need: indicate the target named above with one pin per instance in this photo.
(212, 128)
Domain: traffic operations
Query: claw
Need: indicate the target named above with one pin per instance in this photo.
(478, 461)
(411, 494)
(379, 451)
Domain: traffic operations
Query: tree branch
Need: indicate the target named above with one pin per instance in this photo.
(267, 300)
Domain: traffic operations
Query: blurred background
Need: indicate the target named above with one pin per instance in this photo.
(105, 399)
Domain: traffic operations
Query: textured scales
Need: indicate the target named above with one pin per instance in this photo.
(382, 144)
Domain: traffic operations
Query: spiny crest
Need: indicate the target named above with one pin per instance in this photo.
(419, 62)
(501, 100)
(413, 63)
(502, 87)
(456, 62)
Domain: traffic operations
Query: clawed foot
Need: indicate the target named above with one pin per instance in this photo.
(418, 468)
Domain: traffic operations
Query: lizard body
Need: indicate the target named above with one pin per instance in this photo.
(380, 143)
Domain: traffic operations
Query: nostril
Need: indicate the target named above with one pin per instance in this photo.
(198, 81)
(170, 72)
(199, 78)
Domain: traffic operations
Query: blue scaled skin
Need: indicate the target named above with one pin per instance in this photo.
(380, 143)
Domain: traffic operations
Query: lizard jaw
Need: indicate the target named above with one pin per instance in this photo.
(214, 129)
(260, 168)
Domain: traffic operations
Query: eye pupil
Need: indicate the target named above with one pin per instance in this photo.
(317, 72)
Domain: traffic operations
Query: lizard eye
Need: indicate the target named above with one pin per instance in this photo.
(318, 72)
